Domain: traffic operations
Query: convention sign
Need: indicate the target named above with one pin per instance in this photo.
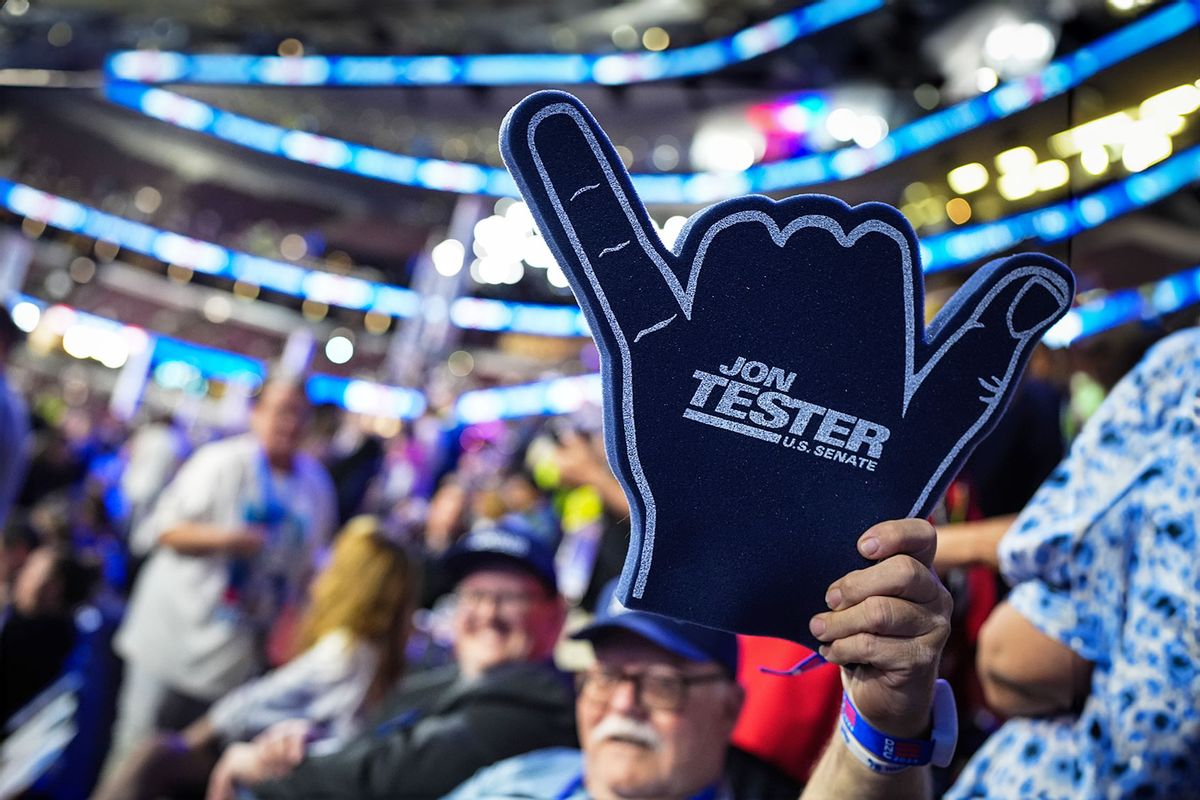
(771, 387)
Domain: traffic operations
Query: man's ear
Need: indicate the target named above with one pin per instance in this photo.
(735, 699)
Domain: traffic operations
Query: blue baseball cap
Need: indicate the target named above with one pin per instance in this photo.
(693, 642)
(510, 540)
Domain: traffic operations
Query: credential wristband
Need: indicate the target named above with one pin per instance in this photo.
(890, 754)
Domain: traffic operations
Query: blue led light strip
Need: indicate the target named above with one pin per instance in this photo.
(676, 188)
(1058, 221)
(565, 395)
(610, 69)
(359, 396)
(1145, 303)
(945, 251)
(335, 290)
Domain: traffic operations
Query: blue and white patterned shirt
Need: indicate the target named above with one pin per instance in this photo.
(1106, 559)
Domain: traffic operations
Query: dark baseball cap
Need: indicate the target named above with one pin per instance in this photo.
(510, 541)
(692, 642)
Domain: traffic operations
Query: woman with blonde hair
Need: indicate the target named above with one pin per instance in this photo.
(349, 654)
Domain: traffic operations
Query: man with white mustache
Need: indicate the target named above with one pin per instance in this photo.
(656, 710)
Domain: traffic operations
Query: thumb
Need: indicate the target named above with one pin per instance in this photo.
(975, 350)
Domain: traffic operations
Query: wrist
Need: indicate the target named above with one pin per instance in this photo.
(888, 752)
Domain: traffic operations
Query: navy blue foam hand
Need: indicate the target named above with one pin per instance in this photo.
(771, 389)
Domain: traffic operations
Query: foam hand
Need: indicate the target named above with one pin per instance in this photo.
(771, 389)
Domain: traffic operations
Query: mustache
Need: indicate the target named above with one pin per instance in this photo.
(618, 727)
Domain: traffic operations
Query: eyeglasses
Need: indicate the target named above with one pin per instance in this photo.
(660, 691)
(514, 601)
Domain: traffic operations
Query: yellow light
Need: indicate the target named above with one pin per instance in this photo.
(1172, 103)
(376, 323)
(1051, 175)
(1164, 124)
(245, 290)
(293, 247)
(1145, 150)
(179, 274)
(933, 210)
(314, 310)
(958, 210)
(460, 363)
(1094, 160)
(76, 342)
(968, 178)
(1016, 185)
(1018, 159)
(106, 251)
(1113, 129)
(916, 192)
(986, 79)
(33, 228)
(656, 39)
(291, 48)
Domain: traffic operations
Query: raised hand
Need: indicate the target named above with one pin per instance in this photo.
(771, 390)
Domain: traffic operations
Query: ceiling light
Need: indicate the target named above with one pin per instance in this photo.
(147, 200)
(625, 37)
(339, 349)
(1016, 185)
(26, 315)
(656, 39)
(1051, 175)
(968, 178)
(958, 210)
(1108, 130)
(869, 130)
(1018, 159)
(448, 257)
(1145, 149)
(840, 124)
(986, 79)
(1094, 160)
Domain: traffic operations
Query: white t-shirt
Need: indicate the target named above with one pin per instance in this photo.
(325, 684)
(197, 621)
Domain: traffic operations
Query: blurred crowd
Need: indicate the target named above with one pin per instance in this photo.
(306, 609)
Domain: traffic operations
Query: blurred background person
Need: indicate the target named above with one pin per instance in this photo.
(235, 537)
(37, 629)
(349, 654)
(502, 696)
(14, 424)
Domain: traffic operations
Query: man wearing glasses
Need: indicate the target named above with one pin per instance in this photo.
(502, 697)
(656, 710)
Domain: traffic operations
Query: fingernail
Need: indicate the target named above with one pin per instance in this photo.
(868, 546)
(833, 598)
(1033, 306)
(823, 651)
(817, 626)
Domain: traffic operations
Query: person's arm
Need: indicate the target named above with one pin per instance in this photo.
(206, 538)
(192, 516)
(887, 626)
(1025, 672)
(428, 759)
(324, 672)
(966, 544)
(580, 465)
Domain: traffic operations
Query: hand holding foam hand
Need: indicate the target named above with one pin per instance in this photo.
(771, 390)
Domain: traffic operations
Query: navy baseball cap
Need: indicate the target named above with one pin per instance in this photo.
(511, 541)
(693, 642)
